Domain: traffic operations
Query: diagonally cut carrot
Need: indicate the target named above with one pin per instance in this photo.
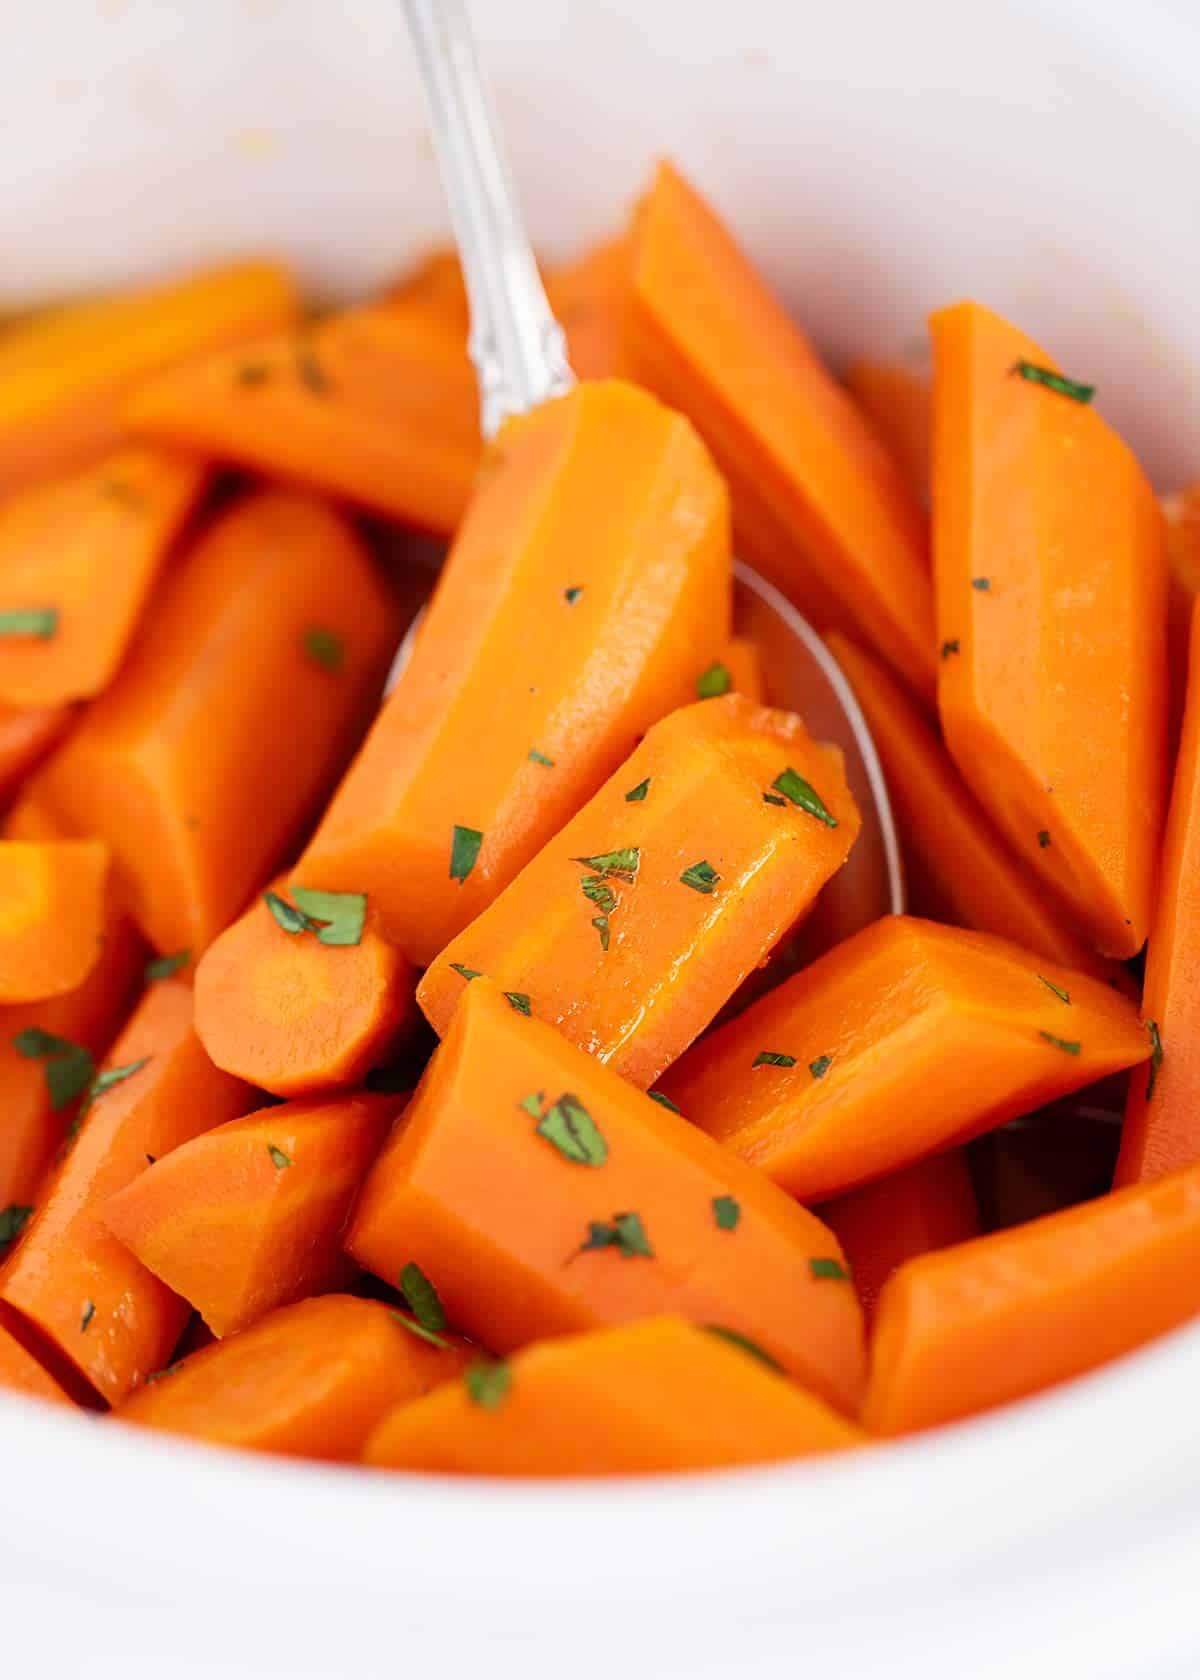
(744, 664)
(52, 905)
(22, 1373)
(26, 736)
(897, 400)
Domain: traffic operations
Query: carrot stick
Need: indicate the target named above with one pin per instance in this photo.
(897, 400)
(660, 1395)
(955, 1031)
(1051, 578)
(78, 559)
(52, 896)
(64, 375)
(588, 585)
(540, 1194)
(819, 505)
(21, 1372)
(589, 296)
(309, 1381)
(1181, 510)
(1015, 1312)
(70, 1278)
(641, 917)
(26, 736)
(249, 1216)
(201, 764)
(914, 1211)
(744, 664)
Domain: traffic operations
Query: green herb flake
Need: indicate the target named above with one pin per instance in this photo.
(289, 918)
(600, 923)
(467, 973)
(251, 373)
(310, 371)
(487, 1382)
(820, 1067)
(1043, 838)
(167, 1371)
(535, 757)
(662, 1098)
(625, 1233)
(1054, 381)
(88, 1314)
(571, 1129)
(162, 968)
(982, 584)
(572, 595)
(773, 1058)
(701, 877)
(952, 646)
(623, 863)
(831, 1269)
(774, 799)
(38, 622)
(337, 918)
(150, 1159)
(416, 1328)
(325, 648)
(13, 1220)
(532, 1104)
(105, 1080)
(803, 794)
(464, 850)
(598, 890)
(520, 1001)
(737, 1340)
(1059, 991)
(422, 1297)
(69, 1068)
(716, 680)
(726, 1212)
(1071, 1046)
(278, 1159)
(638, 793)
(1156, 1057)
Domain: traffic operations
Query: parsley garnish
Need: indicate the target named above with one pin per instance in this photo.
(622, 863)
(773, 1058)
(13, 1220)
(829, 1269)
(716, 680)
(982, 584)
(422, 1297)
(536, 757)
(570, 1128)
(464, 849)
(338, 918)
(820, 1067)
(278, 1159)
(532, 1104)
(325, 647)
(310, 370)
(803, 794)
(952, 646)
(625, 1233)
(638, 793)
(467, 973)
(1072, 1046)
(1058, 991)
(701, 877)
(415, 1328)
(726, 1212)
(520, 1001)
(68, 1067)
(1054, 381)
(89, 1313)
(600, 923)
(737, 1340)
(1156, 1057)
(162, 968)
(664, 1099)
(598, 890)
(167, 1371)
(488, 1381)
(572, 595)
(289, 918)
(41, 622)
(774, 799)
(106, 1080)
(1043, 838)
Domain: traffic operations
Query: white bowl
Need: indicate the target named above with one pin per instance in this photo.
(879, 158)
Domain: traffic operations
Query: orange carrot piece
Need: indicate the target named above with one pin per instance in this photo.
(744, 664)
(249, 1216)
(1051, 578)
(897, 399)
(308, 1381)
(1009, 1314)
(955, 1031)
(295, 1016)
(52, 897)
(914, 1211)
(70, 1277)
(81, 555)
(433, 288)
(588, 584)
(660, 1395)
(641, 917)
(1181, 510)
(376, 405)
(26, 736)
(819, 505)
(64, 375)
(21, 1372)
(588, 296)
(959, 868)
(505, 1183)
(234, 712)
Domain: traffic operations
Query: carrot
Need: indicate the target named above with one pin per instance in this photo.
(588, 296)
(78, 559)
(21, 1372)
(433, 288)
(744, 665)
(1051, 578)
(897, 400)
(65, 374)
(920, 1208)
(284, 1009)
(540, 1194)
(660, 1395)
(376, 405)
(819, 505)
(70, 1277)
(1012, 1313)
(309, 1381)
(958, 867)
(249, 1216)
(1181, 510)
(26, 736)
(52, 896)
(955, 1031)
(588, 585)
(641, 917)
(207, 756)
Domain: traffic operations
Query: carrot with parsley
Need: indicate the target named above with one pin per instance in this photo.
(69, 1277)
(907, 1039)
(52, 908)
(587, 586)
(237, 708)
(635, 924)
(307, 1381)
(660, 1395)
(249, 1215)
(540, 1193)
(66, 374)
(1051, 582)
(897, 399)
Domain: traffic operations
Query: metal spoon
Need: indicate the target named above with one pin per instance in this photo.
(519, 352)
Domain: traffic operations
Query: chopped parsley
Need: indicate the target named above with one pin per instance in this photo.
(820, 1067)
(422, 1297)
(39, 622)
(572, 595)
(716, 680)
(1059, 991)
(701, 877)
(520, 1001)
(662, 1098)
(1054, 381)
(737, 1340)
(638, 793)
(570, 1128)
(952, 646)
(467, 973)
(13, 1220)
(773, 1058)
(325, 647)
(69, 1068)
(464, 850)
(1071, 1046)
(162, 968)
(1043, 838)
(625, 1232)
(536, 757)
(832, 1269)
(416, 1328)
(622, 863)
(1156, 1057)
(803, 794)
(726, 1212)
(278, 1159)
(487, 1382)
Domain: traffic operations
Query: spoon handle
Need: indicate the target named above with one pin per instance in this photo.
(517, 346)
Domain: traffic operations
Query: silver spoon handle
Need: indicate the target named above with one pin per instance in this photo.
(517, 346)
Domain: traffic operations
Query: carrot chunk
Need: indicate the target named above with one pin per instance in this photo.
(26, 736)
(249, 1215)
(22, 1373)
(1051, 578)
(897, 400)
(52, 897)
(744, 664)
(955, 1032)
(659, 1395)
(210, 752)
(309, 1381)
(641, 917)
(541, 1194)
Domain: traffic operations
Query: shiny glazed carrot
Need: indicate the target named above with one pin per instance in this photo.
(741, 659)
(897, 400)
(1012, 1313)
(589, 296)
(954, 1031)
(588, 585)
(1181, 510)
(1051, 579)
(21, 1373)
(78, 559)
(249, 1216)
(52, 901)
(660, 1395)
(641, 917)
(234, 712)
(26, 736)
(65, 374)
(542, 1194)
(70, 1277)
(309, 1381)
(819, 505)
